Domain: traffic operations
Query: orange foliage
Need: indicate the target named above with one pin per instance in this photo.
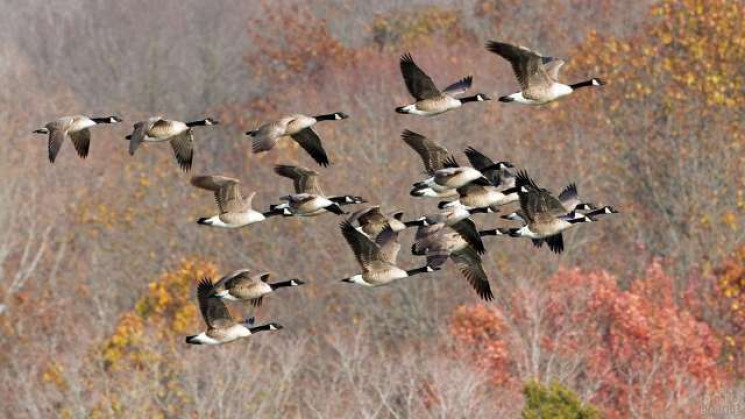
(480, 329)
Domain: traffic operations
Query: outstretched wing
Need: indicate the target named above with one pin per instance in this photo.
(311, 142)
(82, 141)
(389, 246)
(470, 266)
(419, 84)
(433, 154)
(365, 251)
(459, 87)
(467, 229)
(303, 180)
(183, 148)
(214, 311)
(527, 65)
(227, 192)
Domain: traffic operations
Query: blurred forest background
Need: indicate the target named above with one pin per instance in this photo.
(642, 316)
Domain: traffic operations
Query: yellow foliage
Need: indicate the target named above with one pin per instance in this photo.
(405, 30)
(166, 310)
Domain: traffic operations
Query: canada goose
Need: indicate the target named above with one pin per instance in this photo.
(545, 216)
(493, 191)
(457, 220)
(75, 128)
(498, 173)
(179, 134)
(538, 75)
(377, 258)
(568, 198)
(434, 157)
(299, 128)
(372, 221)
(240, 285)
(309, 199)
(452, 176)
(235, 211)
(221, 327)
(442, 243)
(429, 100)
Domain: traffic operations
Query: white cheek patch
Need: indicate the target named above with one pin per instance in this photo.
(595, 82)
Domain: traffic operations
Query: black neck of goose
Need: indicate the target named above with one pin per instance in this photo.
(282, 284)
(414, 223)
(474, 98)
(103, 120)
(492, 232)
(262, 328)
(272, 213)
(484, 210)
(586, 83)
(200, 123)
(326, 117)
(418, 271)
(579, 220)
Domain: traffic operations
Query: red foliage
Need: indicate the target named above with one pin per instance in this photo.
(640, 350)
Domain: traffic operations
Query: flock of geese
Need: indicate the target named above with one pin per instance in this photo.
(483, 187)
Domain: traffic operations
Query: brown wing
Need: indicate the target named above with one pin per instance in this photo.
(140, 132)
(304, 180)
(82, 141)
(552, 69)
(470, 266)
(214, 311)
(183, 148)
(419, 84)
(311, 142)
(433, 154)
(467, 229)
(227, 192)
(527, 65)
(56, 138)
(365, 251)
(389, 246)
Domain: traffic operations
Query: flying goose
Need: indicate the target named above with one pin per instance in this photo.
(76, 128)
(497, 191)
(546, 217)
(179, 134)
(221, 327)
(457, 220)
(429, 100)
(568, 198)
(439, 244)
(241, 285)
(235, 210)
(434, 157)
(377, 258)
(299, 128)
(309, 199)
(372, 221)
(538, 75)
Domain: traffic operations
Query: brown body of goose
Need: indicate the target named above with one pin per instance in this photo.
(76, 128)
(439, 244)
(235, 210)
(221, 327)
(372, 221)
(241, 285)
(309, 199)
(299, 128)
(430, 100)
(178, 134)
(377, 258)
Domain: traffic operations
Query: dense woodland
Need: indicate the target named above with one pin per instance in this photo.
(643, 315)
